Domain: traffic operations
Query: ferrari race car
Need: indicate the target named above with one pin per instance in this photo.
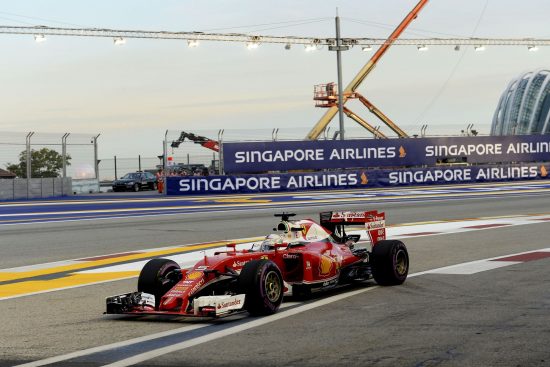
(302, 257)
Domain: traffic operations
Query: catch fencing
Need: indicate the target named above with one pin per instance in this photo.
(54, 164)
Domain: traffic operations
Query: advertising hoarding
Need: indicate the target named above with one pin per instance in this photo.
(352, 179)
(257, 157)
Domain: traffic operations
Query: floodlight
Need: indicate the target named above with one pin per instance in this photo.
(38, 38)
(119, 41)
(311, 47)
(366, 48)
(422, 48)
(253, 43)
(533, 48)
(479, 48)
(192, 43)
(287, 46)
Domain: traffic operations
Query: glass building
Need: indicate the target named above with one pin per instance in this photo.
(524, 107)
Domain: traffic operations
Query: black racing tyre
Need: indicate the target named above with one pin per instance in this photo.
(153, 278)
(136, 187)
(390, 262)
(262, 282)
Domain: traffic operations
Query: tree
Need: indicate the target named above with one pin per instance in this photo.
(44, 163)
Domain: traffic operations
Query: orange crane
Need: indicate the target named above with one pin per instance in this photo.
(330, 98)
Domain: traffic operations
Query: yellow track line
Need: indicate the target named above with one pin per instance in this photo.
(10, 276)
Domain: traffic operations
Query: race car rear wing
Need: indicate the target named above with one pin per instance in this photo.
(375, 223)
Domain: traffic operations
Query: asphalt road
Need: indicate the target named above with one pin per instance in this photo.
(497, 317)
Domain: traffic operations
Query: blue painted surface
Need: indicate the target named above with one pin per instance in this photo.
(106, 207)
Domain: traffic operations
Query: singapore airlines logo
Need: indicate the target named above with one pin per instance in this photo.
(364, 179)
(543, 171)
(402, 152)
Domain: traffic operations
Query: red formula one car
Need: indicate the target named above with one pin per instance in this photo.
(301, 257)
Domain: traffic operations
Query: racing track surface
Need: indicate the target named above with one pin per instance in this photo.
(460, 316)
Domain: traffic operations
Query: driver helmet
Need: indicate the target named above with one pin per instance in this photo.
(268, 243)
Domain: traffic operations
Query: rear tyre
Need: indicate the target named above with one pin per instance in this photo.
(262, 282)
(390, 262)
(154, 279)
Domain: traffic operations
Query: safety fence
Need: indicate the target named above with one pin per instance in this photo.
(49, 154)
(45, 159)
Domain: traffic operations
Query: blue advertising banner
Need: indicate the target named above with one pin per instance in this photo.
(197, 185)
(254, 157)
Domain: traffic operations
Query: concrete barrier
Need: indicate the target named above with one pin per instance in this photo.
(20, 188)
(85, 186)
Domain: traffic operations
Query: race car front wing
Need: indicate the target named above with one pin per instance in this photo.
(144, 303)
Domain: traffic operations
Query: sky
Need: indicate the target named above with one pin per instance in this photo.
(132, 94)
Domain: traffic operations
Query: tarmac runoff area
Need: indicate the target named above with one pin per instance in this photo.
(477, 295)
(49, 277)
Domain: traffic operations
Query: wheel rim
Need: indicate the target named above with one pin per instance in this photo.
(272, 286)
(401, 262)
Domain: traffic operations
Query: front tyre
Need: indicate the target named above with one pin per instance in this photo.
(136, 187)
(390, 262)
(154, 278)
(262, 283)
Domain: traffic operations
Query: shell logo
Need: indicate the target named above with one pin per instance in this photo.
(325, 263)
(543, 171)
(364, 179)
(194, 275)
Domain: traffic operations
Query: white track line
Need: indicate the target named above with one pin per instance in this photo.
(190, 258)
(249, 325)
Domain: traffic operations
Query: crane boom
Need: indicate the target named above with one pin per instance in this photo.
(354, 84)
(385, 119)
(197, 139)
(365, 124)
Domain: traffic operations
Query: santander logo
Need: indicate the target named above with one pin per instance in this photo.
(235, 302)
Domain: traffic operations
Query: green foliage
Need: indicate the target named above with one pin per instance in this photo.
(44, 163)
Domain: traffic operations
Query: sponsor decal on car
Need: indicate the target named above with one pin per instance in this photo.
(291, 256)
(194, 275)
(238, 264)
(348, 215)
(197, 286)
(177, 291)
(222, 305)
(325, 264)
(378, 223)
(329, 282)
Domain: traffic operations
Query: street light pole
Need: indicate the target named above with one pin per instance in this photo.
(339, 48)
